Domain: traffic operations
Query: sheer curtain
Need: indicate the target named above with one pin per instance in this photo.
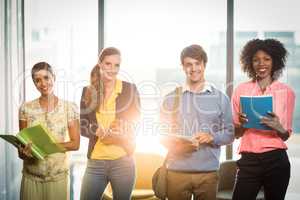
(11, 92)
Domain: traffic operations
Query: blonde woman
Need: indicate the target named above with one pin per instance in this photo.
(109, 107)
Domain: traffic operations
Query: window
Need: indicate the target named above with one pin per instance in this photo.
(63, 33)
(151, 35)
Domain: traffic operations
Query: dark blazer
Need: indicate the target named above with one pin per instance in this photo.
(127, 109)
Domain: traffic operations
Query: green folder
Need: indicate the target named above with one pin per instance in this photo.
(43, 144)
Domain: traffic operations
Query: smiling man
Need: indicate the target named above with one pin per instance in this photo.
(202, 113)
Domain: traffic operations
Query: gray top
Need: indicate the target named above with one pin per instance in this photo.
(205, 111)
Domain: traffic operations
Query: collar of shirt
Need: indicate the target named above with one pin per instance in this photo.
(118, 86)
(268, 90)
(112, 99)
(207, 87)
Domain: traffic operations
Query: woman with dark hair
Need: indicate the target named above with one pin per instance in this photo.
(264, 161)
(108, 111)
(48, 179)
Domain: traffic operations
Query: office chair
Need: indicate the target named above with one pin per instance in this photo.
(227, 174)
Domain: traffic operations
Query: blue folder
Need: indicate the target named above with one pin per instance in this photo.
(256, 107)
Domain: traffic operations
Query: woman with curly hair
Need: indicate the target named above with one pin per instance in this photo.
(264, 161)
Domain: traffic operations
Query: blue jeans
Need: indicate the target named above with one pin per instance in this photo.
(120, 173)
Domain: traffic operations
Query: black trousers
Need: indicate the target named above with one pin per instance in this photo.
(270, 170)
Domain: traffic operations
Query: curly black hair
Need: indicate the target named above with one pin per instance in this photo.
(272, 47)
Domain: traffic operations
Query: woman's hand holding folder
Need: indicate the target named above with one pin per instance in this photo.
(273, 122)
(239, 129)
(25, 152)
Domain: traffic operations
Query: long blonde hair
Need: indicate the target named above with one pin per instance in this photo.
(94, 96)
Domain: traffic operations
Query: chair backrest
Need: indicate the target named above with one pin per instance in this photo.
(146, 165)
(227, 174)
